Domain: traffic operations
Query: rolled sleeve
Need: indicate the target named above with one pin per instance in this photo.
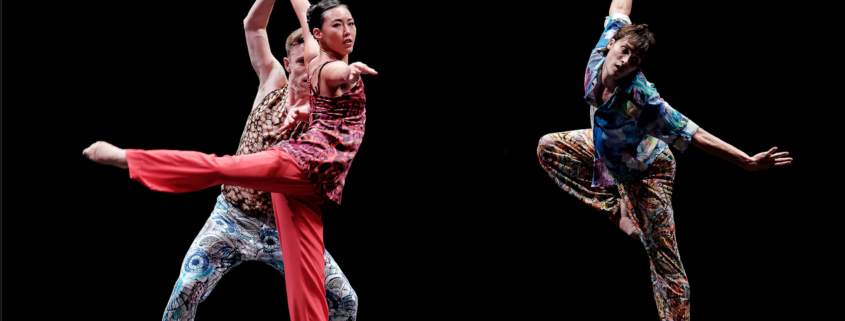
(683, 141)
(612, 24)
(614, 17)
(659, 119)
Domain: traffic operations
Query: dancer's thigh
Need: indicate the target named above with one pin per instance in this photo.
(568, 159)
(649, 201)
(212, 254)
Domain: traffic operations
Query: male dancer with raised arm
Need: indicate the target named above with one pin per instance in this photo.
(622, 166)
(242, 226)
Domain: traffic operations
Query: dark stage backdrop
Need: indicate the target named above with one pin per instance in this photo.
(446, 213)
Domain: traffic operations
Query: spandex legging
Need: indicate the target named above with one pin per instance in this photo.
(230, 237)
(568, 159)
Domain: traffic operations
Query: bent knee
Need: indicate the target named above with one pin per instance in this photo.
(547, 141)
(343, 305)
(545, 147)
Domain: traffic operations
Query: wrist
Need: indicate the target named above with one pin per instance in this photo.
(746, 163)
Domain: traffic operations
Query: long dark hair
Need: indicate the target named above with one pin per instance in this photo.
(315, 12)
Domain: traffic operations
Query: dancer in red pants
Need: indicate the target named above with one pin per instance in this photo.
(304, 174)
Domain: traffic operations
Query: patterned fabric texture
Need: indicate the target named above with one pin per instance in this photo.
(628, 126)
(326, 150)
(262, 133)
(230, 237)
(568, 159)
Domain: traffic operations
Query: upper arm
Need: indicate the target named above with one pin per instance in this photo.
(620, 7)
(266, 66)
(334, 74)
(659, 119)
(263, 62)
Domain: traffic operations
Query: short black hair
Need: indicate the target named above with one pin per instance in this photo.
(316, 11)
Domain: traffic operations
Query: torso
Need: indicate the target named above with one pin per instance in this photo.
(261, 133)
(325, 152)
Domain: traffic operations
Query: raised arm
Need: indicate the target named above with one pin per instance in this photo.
(716, 147)
(267, 67)
(620, 7)
(312, 48)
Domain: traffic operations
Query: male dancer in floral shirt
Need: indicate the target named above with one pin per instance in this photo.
(622, 166)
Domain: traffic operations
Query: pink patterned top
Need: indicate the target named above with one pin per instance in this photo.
(326, 150)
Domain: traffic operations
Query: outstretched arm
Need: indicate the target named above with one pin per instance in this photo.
(338, 74)
(716, 147)
(267, 67)
(312, 48)
(620, 7)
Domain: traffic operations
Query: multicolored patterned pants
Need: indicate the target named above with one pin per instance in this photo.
(568, 158)
(230, 237)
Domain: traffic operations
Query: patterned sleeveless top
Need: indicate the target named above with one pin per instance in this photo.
(262, 133)
(326, 150)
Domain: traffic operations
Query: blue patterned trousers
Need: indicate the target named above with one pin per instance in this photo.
(230, 237)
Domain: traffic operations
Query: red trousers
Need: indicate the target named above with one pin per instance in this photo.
(298, 217)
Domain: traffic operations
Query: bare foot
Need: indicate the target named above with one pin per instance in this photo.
(105, 153)
(624, 222)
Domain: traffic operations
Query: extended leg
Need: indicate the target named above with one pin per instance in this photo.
(650, 205)
(212, 254)
(174, 171)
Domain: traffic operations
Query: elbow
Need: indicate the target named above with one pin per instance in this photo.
(250, 25)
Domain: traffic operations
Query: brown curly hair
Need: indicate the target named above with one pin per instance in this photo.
(639, 38)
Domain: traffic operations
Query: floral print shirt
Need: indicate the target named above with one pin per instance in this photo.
(634, 125)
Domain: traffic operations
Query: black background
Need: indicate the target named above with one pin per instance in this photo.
(447, 213)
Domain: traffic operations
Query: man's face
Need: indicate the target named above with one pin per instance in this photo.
(621, 59)
(295, 65)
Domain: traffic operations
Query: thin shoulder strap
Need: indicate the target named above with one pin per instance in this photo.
(317, 87)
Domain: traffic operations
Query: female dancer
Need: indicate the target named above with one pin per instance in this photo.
(623, 165)
(303, 174)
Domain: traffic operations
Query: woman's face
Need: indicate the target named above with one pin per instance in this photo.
(338, 30)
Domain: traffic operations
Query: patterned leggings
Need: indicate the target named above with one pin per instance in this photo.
(228, 238)
(568, 158)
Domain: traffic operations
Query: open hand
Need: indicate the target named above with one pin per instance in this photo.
(301, 113)
(359, 68)
(768, 159)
